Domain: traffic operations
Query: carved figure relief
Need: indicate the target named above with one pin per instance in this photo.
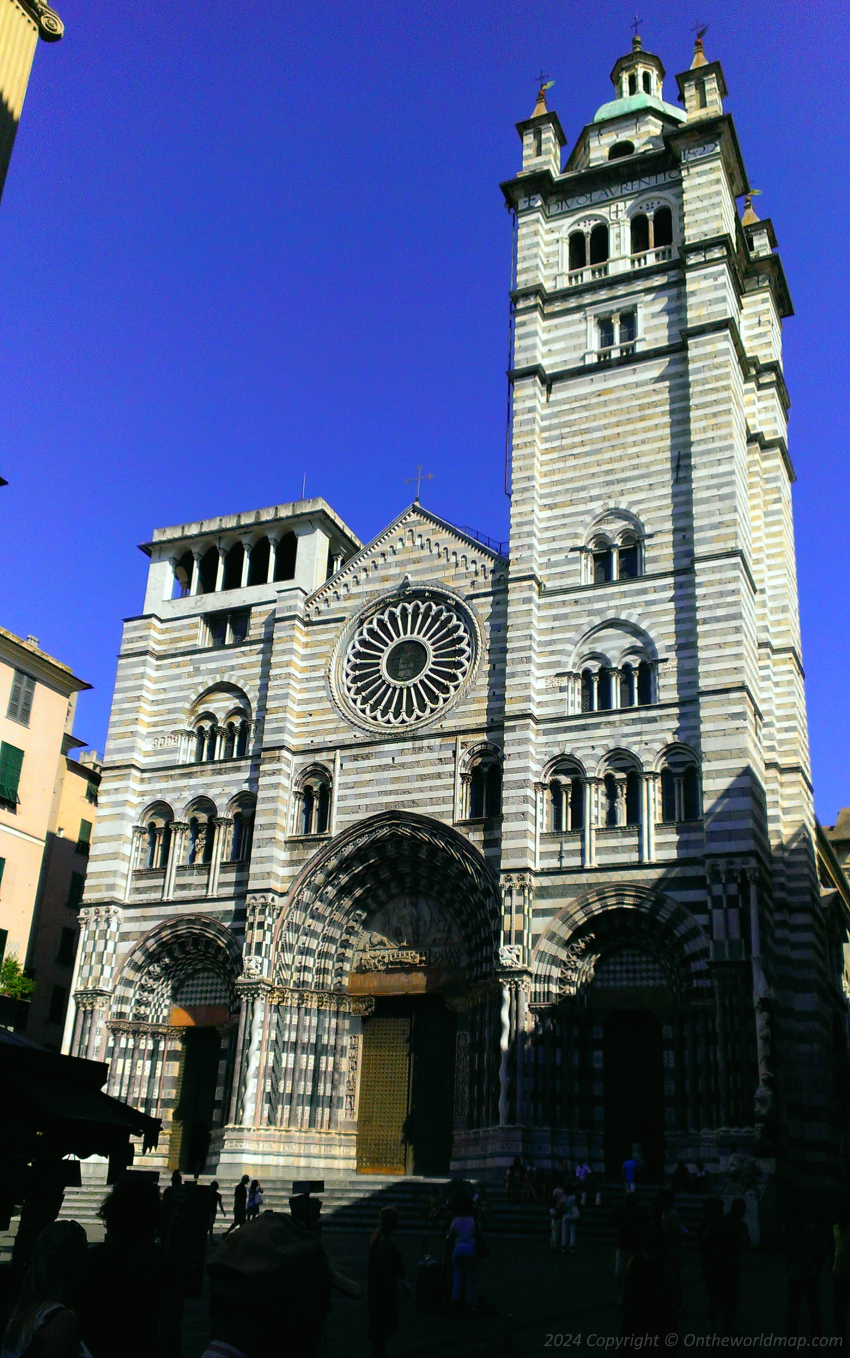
(411, 930)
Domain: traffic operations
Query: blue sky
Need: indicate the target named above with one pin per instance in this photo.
(245, 242)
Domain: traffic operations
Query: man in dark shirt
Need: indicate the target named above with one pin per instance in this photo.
(630, 1222)
(240, 1204)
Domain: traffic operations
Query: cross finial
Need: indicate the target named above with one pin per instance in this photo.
(699, 30)
(418, 478)
(636, 24)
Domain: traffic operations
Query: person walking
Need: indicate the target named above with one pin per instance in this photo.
(255, 1199)
(841, 1268)
(462, 1238)
(43, 1323)
(804, 1249)
(630, 1222)
(240, 1204)
(215, 1204)
(386, 1274)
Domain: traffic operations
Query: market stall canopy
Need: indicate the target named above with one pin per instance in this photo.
(61, 1098)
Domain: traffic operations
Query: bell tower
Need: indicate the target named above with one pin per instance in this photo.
(655, 727)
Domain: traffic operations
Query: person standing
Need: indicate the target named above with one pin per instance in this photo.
(462, 1238)
(629, 1174)
(169, 1204)
(841, 1268)
(132, 1289)
(583, 1177)
(630, 1222)
(386, 1272)
(255, 1199)
(726, 1240)
(240, 1204)
(556, 1215)
(43, 1325)
(805, 1252)
(673, 1232)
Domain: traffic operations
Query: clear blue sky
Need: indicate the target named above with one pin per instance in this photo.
(245, 240)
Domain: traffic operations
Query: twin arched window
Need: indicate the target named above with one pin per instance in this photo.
(681, 797)
(484, 796)
(242, 833)
(566, 799)
(615, 560)
(201, 834)
(603, 689)
(313, 803)
(230, 741)
(588, 247)
(618, 800)
(651, 230)
(621, 802)
(157, 842)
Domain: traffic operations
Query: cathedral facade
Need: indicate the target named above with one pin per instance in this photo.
(419, 854)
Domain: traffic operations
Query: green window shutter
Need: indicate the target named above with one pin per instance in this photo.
(2, 866)
(20, 699)
(84, 837)
(75, 890)
(11, 760)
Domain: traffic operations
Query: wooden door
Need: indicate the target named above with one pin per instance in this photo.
(384, 1095)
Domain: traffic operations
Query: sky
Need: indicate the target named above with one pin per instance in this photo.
(247, 242)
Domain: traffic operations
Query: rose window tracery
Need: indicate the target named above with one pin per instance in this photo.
(408, 660)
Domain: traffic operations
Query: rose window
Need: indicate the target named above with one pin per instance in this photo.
(408, 660)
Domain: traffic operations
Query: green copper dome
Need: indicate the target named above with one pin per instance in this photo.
(633, 104)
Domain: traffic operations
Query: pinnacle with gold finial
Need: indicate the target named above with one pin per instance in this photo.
(540, 106)
(750, 216)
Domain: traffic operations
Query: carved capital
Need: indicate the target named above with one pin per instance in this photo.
(50, 26)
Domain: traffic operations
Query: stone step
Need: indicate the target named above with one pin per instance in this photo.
(354, 1204)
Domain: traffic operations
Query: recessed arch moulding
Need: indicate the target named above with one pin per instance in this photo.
(398, 905)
